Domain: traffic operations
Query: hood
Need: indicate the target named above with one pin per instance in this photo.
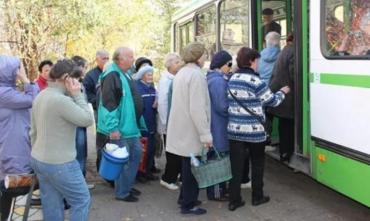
(211, 74)
(270, 55)
(9, 66)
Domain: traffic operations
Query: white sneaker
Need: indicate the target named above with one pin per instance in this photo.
(170, 186)
(270, 149)
(246, 185)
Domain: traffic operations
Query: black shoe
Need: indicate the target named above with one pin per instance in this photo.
(135, 192)
(234, 206)
(197, 203)
(155, 170)
(111, 183)
(35, 202)
(130, 198)
(260, 201)
(220, 199)
(194, 211)
(151, 177)
(141, 179)
(285, 158)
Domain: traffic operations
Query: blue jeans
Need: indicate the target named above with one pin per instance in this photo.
(126, 180)
(58, 182)
(81, 148)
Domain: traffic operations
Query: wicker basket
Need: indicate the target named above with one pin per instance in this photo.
(211, 172)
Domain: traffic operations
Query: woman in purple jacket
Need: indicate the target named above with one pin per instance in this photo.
(15, 148)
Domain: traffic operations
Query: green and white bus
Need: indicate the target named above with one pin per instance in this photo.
(332, 82)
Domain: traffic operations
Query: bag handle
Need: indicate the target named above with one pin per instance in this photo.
(245, 108)
(204, 154)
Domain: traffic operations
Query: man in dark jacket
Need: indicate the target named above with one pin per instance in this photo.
(91, 78)
(90, 82)
(269, 24)
(283, 74)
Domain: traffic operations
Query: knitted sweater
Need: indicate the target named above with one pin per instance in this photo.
(254, 94)
(55, 118)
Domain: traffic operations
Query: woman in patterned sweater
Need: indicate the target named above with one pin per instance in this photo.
(248, 96)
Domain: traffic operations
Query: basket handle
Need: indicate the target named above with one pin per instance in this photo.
(204, 154)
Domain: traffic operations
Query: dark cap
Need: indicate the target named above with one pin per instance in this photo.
(220, 59)
(142, 60)
(267, 11)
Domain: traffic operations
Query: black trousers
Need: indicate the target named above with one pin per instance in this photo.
(246, 178)
(256, 152)
(173, 168)
(6, 199)
(189, 189)
(286, 135)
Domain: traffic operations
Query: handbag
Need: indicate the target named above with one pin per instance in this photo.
(259, 118)
(212, 171)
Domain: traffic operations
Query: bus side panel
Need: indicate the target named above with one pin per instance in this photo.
(343, 174)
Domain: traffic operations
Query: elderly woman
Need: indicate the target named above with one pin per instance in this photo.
(57, 112)
(217, 85)
(173, 63)
(15, 148)
(248, 96)
(144, 85)
(189, 122)
(268, 56)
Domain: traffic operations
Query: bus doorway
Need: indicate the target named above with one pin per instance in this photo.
(282, 17)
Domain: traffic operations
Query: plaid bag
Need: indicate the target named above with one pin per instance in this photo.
(212, 171)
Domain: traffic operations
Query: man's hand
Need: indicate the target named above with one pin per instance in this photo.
(115, 135)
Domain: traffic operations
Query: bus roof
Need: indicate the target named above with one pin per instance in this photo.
(189, 8)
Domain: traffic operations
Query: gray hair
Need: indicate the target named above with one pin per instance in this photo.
(102, 53)
(119, 52)
(170, 58)
(272, 39)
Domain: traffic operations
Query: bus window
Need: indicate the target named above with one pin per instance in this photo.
(184, 35)
(206, 30)
(346, 28)
(234, 25)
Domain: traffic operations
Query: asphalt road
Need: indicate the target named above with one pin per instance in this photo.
(294, 197)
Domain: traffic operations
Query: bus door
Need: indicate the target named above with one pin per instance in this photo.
(281, 16)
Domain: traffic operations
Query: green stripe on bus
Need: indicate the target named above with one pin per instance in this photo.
(344, 80)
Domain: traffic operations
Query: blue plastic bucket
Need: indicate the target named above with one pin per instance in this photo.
(110, 166)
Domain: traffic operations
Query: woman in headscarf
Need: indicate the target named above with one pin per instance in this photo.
(15, 147)
(189, 128)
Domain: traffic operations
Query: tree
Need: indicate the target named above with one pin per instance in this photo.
(37, 28)
(40, 29)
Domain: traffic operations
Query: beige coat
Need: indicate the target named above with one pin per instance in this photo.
(189, 120)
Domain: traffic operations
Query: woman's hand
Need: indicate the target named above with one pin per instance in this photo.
(73, 86)
(285, 89)
(22, 75)
(207, 145)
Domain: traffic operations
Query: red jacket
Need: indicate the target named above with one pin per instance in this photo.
(42, 82)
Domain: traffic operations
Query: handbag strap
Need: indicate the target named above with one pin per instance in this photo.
(245, 108)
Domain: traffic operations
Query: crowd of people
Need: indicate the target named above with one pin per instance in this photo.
(44, 122)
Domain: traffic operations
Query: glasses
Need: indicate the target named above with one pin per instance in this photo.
(230, 64)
